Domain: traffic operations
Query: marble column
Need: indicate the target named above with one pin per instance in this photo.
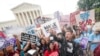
(35, 14)
(27, 18)
(24, 19)
(18, 18)
(31, 17)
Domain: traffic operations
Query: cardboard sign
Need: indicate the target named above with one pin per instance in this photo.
(53, 24)
(26, 37)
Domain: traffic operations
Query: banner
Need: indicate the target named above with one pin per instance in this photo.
(73, 18)
(30, 29)
(88, 16)
(53, 24)
(2, 43)
(26, 37)
(85, 18)
(2, 35)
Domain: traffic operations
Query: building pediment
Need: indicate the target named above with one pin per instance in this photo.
(25, 6)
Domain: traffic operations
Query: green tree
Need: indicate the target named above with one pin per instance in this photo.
(90, 4)
(85, 4)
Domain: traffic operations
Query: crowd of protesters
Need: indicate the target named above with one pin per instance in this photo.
(66, 43)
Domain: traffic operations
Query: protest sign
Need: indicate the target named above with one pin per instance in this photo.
(11, 41)
(84, 42)
(2, 41)
(2, 35)
(30, 29)
(53, 24)
(73, 18)
(85, 18)
(26, 37)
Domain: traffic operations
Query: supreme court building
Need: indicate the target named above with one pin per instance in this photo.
(26, 13)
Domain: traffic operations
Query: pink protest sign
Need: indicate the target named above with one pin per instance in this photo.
(2, 34)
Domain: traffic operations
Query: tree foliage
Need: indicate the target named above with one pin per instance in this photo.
(90, 4)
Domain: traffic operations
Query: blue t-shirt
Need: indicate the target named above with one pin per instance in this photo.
(77, 40)
(94, 37)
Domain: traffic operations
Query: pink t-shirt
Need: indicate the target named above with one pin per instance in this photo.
(51, 53)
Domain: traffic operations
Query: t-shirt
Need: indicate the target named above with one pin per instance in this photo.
(69, 48)
(51, 53)
(77, 40)
(94, 38)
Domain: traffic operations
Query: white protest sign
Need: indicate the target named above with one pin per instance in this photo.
(53, 24)
(88, 16)
(30, 29)
(2, 41)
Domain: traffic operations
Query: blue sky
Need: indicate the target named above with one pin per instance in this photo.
(48, 7)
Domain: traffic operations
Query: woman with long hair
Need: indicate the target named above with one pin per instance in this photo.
(42, 47)
(51, 51)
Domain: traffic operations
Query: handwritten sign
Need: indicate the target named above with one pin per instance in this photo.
(85, 18)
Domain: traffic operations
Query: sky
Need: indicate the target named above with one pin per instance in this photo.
(47, 6)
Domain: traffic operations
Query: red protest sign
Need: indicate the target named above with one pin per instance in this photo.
(2, 34)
